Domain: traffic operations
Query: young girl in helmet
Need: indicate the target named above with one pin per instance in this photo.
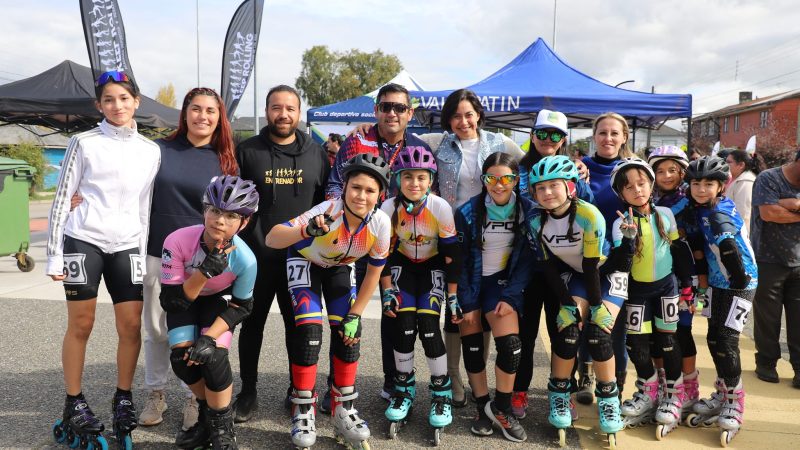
(199, 265)
(421, 273)
(496, 268)
(650, 234)
(669, 164)
(733, 277)
(322, 243)
(569, 239)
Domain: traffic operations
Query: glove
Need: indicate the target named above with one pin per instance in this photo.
(389, 299)
(215, 263)
(455, 308)
(313, 230)
(601, 316)
(629, 231)
(203, 350)
(687, 298)
(351, 326)
(701, 299)
(567, 316)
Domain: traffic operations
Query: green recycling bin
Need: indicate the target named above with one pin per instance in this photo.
(16, 177)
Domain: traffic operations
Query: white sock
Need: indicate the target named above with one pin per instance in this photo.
(438, 365)
(404, 362)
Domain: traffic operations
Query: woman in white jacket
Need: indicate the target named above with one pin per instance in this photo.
(112, 168)
(744, 169)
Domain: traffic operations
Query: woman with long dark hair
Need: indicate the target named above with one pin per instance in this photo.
(744, 169)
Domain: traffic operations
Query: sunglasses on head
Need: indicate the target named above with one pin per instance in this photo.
(504, 180)
(555, 136)
(399, 108)
(113, 75)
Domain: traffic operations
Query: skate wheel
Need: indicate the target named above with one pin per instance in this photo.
(725, 438)
(75, 442)
(562, 437)
(612, 441)
(437, 435)
(394, 427)
(692, 420)
(58, 432)
(660, 432)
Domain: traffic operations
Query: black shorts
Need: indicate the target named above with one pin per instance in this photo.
(84, 264)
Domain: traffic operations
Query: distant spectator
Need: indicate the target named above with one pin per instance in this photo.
(743, 173)
(695, 154)
(332, 146)
(775, 238)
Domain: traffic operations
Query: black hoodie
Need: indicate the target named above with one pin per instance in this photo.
(290, 180)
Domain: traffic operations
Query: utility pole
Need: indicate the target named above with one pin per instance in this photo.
(555, 7)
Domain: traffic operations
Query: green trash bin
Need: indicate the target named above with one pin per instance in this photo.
(16, 177)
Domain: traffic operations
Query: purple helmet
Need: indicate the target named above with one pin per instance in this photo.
(414, 158)
(231, 193)
(668, 152)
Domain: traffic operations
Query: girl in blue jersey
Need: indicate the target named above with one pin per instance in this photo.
(649, 233)
(569, 240)
(733, 277)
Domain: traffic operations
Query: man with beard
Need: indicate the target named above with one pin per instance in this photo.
(290, 171)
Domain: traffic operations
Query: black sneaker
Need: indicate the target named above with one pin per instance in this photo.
(796, 380)
(768, 374)
(481, 425)
(245, 406)
(507, 423)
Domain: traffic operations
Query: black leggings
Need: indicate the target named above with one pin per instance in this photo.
(537, 295)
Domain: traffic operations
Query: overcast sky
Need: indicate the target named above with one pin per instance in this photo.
(710, 49)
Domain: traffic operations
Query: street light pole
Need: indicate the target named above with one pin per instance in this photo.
(555, 6)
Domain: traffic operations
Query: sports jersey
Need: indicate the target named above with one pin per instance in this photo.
(681, 209)
(727, 218)
(183, 254)
(498, 239)
(339, 247)
(655, 260)
(588, 239)
(418, 235)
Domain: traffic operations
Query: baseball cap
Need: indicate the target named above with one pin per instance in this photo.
(551, 119)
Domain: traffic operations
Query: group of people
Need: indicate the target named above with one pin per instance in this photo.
(201, 236)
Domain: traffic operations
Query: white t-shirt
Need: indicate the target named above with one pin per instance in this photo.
(469, 177)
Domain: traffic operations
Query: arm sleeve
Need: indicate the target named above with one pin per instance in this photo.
(620, 259)
(72, 169)
(732, 260)
(556, 283)
(591, 277)
(682, 261)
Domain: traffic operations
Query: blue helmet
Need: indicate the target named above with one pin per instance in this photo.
(558, 167)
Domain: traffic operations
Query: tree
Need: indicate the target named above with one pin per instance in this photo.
(166, 95)
(329, 77)
(31, 154)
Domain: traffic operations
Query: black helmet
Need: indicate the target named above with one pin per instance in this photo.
(372, 165)
(708, 167)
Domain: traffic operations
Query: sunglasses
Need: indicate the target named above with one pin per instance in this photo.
(504, 180)
(113, 75)
(555, 136)
(399, 108)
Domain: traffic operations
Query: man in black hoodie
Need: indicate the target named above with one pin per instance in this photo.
(290, 171)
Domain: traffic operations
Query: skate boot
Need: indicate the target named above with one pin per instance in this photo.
(507, 422)
(584, 395)
(669, 410)
(641, 408)
(124, 419)
(609, 410)
(732, 415)
(304, 430)
(441, 414)
(706, 410)
(220, 425)
(79, 427)
(196, 436)
(560, 415)
(691, 392)
(481, 425)
(519, 404)
(401, 402)
(350, 430)
(662, 383)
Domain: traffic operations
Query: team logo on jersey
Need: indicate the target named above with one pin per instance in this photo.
(562, 238)
(166, 256)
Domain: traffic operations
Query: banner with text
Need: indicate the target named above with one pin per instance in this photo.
(239, 52)
(105, 37)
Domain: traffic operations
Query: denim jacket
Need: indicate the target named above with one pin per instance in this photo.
(448, 160)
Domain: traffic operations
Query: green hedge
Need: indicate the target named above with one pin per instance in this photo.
(33, 155)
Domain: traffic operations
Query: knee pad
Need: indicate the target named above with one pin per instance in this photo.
(405, 331)
(188, 374)
(509, 352)
(666, 342)
(686, 341)
(565, 342)
(430, 335)
(306, 344)
(729, 365)
(599, 343)
(348, 354)
(638, 346)
(472, 348)
(217, 374)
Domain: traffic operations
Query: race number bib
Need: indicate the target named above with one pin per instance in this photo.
(707, 307)
(297, 273)
(739, 313)
(618, 284)
(74, 268)
(137, 272)
(396, 271)
(635, 315)
(437, 284)
(669, 309)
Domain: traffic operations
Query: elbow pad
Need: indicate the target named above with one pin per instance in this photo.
(173, 298)
(732, 260)
(452, 270)
(591, 276)
(234, 315)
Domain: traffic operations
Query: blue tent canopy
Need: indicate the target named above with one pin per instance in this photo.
(537, 78)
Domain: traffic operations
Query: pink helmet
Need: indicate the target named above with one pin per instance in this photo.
(414, 158)
(668, 152)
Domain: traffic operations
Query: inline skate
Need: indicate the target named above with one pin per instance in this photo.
(608, 408)
(641, 408)
(441, 414)
(351, 431)
(670, 408)
(401, 403)
(79, 427)
(731, 416)
(706, 410)
(560, 411)
(124, 419)
(304, 430)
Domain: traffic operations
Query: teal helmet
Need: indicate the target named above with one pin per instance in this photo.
(558, 167)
